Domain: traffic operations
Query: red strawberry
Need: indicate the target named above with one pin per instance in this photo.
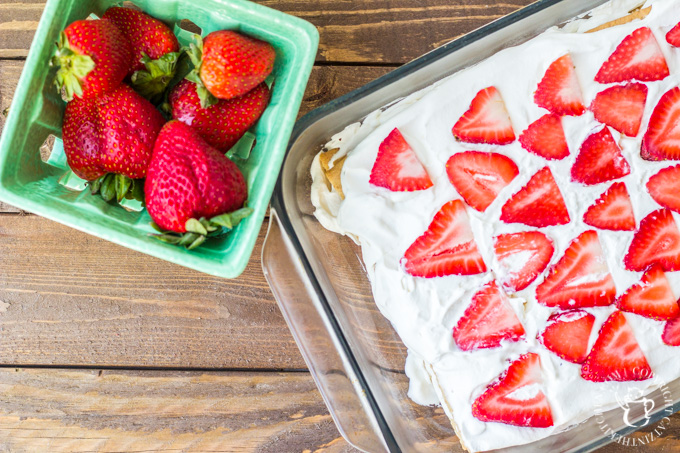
(662, 139)
(651, 298)
(497, 403)
(657, 241)
(673, 36)
(612, 211)
(522, 257)
(580, 279)
(189, 179)
(664, 187)
(222, 124)
(559, 91)
(537, 204)
(671, 332)
(567, 334)
(487, 120)
(616, 355)
(545, 137)
(599, 160)
(93, 58)
(479, 177)
(621, 107)
(447, 247)
(488, 321)
(397, 167)
(638, 57)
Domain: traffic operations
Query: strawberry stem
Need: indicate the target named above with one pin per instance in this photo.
(73, 67)
(152, 82)
(114, 186)
(195, 53)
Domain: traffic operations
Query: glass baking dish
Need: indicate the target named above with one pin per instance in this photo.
(318, 279)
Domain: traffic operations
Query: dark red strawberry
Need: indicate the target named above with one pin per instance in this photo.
(488, 321)
(545, 137)
(612, 211)
(621, 107)
(673, 36)
(651, 298)
(222, 124)
(671, 332)
(599, 160)
(638, 57)
(662, 139)
(397, 167)
(616, 355)
(93, 57)
(537, 204)
(656, 242)
(522, 257)
(447, 247)
(664, 187)
(559, 91)
(567, 334)
(580, 279)
(486, 121)
(479, 177)
(497, 403)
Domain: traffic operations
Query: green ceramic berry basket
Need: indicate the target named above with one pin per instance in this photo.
(46, 187)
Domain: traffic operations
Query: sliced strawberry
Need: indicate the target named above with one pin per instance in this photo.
(612, 211)
(522, 257)
(537, 204)
(397, 167)
(621, 107)
(500, 403)
(599, 160)
(447, 247)
(638, 57)
(662, 139)
(673, 36)
(664, 187)
(487, 120)
(651, 298)
(479, 177)
(580, 279)
(616, 355)
(545, 137)
(488, 321)
(567, 334)
(559, 91)
(671, 332)
(656, 242)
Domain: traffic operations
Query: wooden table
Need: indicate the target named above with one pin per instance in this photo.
(105, 349)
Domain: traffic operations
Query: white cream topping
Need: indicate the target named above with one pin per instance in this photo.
(424, 311)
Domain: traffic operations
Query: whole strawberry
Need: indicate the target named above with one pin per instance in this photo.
(222, 124)
(93, 57)
(190, 185)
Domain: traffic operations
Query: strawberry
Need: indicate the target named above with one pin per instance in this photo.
(497, 403)
(567, 334)
(621, 107)
(188, 181)
(447, 247)
(222, 124)
(638, 57)
(93, 57)
(662, 139)
(545, 137)
(656, 242)
(599, 160)
(612, 211)
(522, 257)
(580, 278)
(616, 355)
(479, 177)
(537, 204)
(486, 121)
(397, 167)
(488, 321)
(664, 187)
(673, 36)
(559, 91)
(671, 332)
(651, 298)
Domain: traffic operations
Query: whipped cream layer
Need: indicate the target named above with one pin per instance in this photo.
(424, 311)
